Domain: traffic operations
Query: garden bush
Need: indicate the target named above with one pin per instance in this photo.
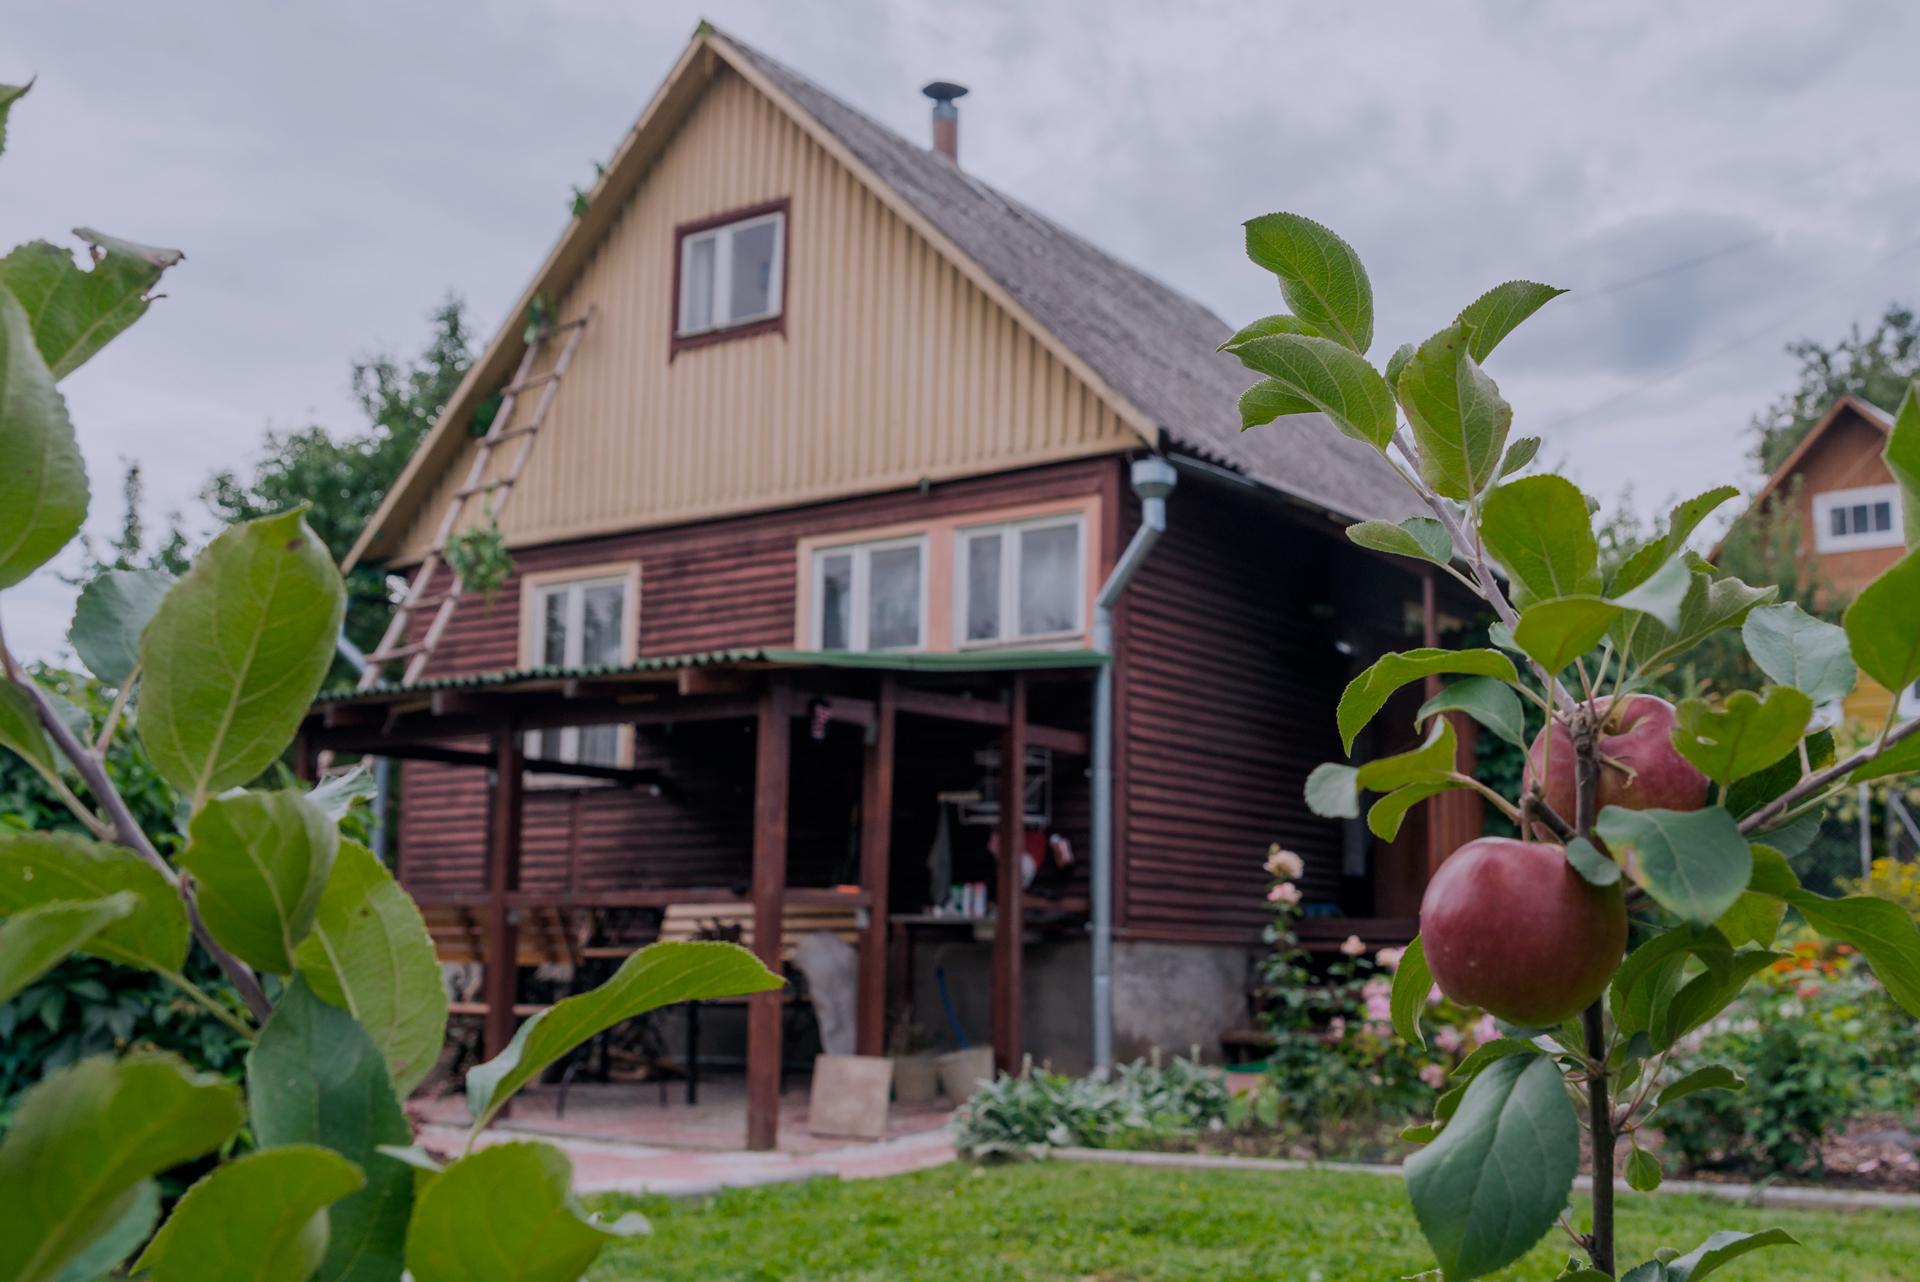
(1143, 1103)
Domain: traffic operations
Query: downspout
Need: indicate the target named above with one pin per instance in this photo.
(382, 766)
(1153, 479)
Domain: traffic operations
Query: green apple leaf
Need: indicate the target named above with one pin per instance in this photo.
(22, 733)
(1713, 1077)
(1662, 597)
(1458, 417)
(1672, 540)
(260, 861)
(111, 613)
(236, 652)
(369, 953)
(1743, 736)
(1555, 632)
(337, 795)
(1651, 972)
(43, 479)
(1694, 863)
(1331, 379)
(1419, 537)
(33, 942)
(1596, 868)
(1540, 529)
(1367, 693)
(1412, 982)
(9, 94)
(1762, 786)
(1882, 930)
(1754, 919)
(1501, 1172)
(1902, 758)
(1518, 455)
(1700, 997)
(1491, 1053)
(1723, 1248)
(48, 867)
(658, 975)
(1488, 701)
(506, 1211)
(1883, 625)
(1431, 762)
(1902, 457)
(1796, 649)
(1498, 312)
(1643, 1171)
(1397, 362)
(1385, 816)
(1266, 327)
(125, 1236)
(87, 1139)
(76, 311)
(1270, 399)
(1332, 792)
(314, 1077)
(1709, 605)
(258, 1218)
(1320, 276)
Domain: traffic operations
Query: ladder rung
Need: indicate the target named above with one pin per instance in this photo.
(398, 652)
(522, 430)
(564, 326)
(502, 483)
(425, 603)
(536, 381)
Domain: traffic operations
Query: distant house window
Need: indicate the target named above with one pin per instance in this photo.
(1850, 520)
(870, 596)
(1910, 702)
(580, 623)
(1022, 581)
(731, 274)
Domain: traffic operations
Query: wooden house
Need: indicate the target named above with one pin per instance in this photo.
(869, 499)
(1846, 509)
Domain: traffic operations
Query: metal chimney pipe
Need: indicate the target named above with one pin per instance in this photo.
(946, 117)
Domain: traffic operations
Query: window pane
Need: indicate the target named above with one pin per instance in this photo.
(553, 634)
(602, 622)
(752, 286)
(696, 291)
(983, 587)
(1883, 515)
(1860, 523)
(1837, 521)
(893, 584)
(1049, 568)
(836, 601)
(599, 745)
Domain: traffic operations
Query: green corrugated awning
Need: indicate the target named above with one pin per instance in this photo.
(963, 661)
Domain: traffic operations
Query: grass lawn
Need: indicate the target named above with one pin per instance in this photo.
(1090, 1223)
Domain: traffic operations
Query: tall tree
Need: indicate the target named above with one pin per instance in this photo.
(1875, 366)
(344, 476)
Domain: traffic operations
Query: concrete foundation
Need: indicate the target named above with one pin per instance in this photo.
(1057, 989)
(1171, 998)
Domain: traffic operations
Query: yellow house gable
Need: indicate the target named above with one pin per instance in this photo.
(890, 361)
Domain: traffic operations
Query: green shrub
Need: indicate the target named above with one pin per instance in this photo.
(1141, 1103)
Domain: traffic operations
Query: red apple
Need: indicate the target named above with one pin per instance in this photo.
(1510, 927)
(1640, 769)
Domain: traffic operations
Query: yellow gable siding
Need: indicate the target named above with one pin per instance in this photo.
(893, 367)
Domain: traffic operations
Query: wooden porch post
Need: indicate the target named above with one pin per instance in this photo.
(770, 788)
(1010, 916)
(876, 826)
(503, 877)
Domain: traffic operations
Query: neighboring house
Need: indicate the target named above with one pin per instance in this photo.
(813, 544)
(1848, 509)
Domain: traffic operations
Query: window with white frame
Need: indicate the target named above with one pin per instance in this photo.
(732, 274)
(1910, 702)
(1021, 581)
(871, 596)
(580, 623)
(1849, 520)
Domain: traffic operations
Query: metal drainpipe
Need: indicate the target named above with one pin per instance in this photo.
(382, 766)
(1153, 479)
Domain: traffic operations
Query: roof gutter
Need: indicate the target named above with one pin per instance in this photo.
(1153, 479)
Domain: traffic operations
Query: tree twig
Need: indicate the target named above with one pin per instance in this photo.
(1821, 778)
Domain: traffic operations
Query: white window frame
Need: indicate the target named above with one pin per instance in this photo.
(566, 745)
(861, 611)
(722, 238)
(1009, 532)
(1823, 505)
(1910, 702)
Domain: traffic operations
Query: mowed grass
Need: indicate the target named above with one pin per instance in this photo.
(1093, 1223)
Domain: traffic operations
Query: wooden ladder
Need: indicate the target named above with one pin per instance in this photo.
(419, 597)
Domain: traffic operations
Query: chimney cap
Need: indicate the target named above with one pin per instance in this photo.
(944, 90)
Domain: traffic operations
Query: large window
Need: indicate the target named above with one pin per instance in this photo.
(1023, 581)
(580, 623)
(731, 275)
(1849, 520)
(870, 596)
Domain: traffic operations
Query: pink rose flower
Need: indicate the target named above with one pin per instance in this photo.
(1486, 1030)
(1284, 893)
(1337, 1028)
(1353, 946)
(1447, 1039)
(1379, 1006)
(1388, 959)
(1435, 1076)
(1284, 865)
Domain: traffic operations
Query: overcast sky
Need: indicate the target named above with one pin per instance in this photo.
(1711, 180)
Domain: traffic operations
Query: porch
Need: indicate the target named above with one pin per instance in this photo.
(793, 784)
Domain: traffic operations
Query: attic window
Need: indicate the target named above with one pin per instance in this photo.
(731, 273)
(1849, 520)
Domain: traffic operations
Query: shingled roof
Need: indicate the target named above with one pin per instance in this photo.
(1152, 344)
